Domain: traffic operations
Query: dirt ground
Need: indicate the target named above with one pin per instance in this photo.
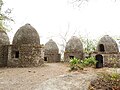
(30, 78)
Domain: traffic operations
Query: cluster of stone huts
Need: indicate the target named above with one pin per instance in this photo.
(26, 50)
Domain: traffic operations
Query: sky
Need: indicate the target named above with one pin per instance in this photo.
(52, 18)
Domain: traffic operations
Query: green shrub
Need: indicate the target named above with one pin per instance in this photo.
(88, 62)
(75, 64)
(74, 61)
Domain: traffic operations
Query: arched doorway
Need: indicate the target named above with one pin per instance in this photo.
(45, 59)
(99, 59)
(101, 48)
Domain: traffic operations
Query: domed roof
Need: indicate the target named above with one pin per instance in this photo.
(74, 44)
(26, 35)
(51, 46)
(4, 40)
(107, 44)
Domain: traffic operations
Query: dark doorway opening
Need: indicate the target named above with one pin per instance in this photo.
(99, 59)
(101, 48)
(17, 54)
(71, 57)
(45, 58)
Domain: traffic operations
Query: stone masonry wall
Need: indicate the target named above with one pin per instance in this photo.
(3, 55)
(12, 61)
(67, 55)
(25, 56)
(53, 58)
(31, 56)
(110, 59)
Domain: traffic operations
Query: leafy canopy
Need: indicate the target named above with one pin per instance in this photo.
(4, 17)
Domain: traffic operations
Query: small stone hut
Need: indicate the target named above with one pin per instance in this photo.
(51, 52)
(74, 48)
(4, 40)
(107, 52)
(25, 50)
(107, 44)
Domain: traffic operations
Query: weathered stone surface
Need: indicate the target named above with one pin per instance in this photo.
(74, 48)
(108, 43)
(4, 40)
(107, 49)
(74, 81)
(51, 47)
(29, 55)
(109, 59)
(26, 35)
(51, 52)
(25, 50)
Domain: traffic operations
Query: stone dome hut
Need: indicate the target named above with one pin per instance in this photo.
(26, 49)
(74, 48)
(4, 40)
(107, 44)
(106, 51)
(51, 52)
(26, 35)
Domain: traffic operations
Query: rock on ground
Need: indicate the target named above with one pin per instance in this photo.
(74, 81)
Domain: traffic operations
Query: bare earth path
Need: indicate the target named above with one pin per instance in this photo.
(52, 76)
(28, 78)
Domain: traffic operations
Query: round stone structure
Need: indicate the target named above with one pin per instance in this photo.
(74, 44)
(51, 47)
(74, 48)
(26, 35)
(107, 53)
(107, 44)
(4, 41)
(51, 52)
(26, 50)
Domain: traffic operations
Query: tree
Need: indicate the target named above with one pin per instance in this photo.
(88, 43)
(4, 17)
(64, 39)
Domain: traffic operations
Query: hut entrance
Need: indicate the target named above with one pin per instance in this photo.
(45, 59)
(101, 48)
(99, 59)
(71, 57)
(17, 54)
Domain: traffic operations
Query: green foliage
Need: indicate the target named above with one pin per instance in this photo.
(88, 44)
(88, 62)
(74, 61)
(75, 64)
(4, 17)
(106, 81)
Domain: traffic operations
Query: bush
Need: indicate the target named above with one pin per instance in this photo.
(106, 81)
(88, 62)
(74, 61)
(75, 64)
